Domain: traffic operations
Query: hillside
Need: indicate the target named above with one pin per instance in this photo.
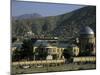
(65, 25)
(28, 16)
(70, 26)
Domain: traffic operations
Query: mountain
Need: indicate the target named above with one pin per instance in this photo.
(71, 23)
(28, 16)
(65, 25)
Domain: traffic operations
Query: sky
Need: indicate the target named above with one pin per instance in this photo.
(44, 9)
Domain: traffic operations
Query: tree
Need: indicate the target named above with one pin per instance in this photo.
(67, 53)
(16, 55)
(14, 39)
(27, 50)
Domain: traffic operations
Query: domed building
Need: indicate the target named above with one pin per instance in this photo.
(87, 40)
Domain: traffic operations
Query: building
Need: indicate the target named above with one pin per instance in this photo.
(50, 50)
(87, 40)
(48, 47)
(75, 50)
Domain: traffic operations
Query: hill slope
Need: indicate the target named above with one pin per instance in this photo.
(64, 25)
(28, 16)
(70, 26)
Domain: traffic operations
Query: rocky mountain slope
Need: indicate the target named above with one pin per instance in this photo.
(65, 25)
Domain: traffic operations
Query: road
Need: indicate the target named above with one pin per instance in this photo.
(40, 69)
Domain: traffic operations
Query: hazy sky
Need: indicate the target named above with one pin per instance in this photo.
(45, 9)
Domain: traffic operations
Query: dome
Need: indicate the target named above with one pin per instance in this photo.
(86, 30)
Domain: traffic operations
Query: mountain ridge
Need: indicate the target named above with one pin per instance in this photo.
(64, 25)
(28, 16)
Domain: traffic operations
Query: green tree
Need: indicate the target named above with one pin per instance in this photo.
(67, 53)
(27, 50)
(14, 39)
(16, 55)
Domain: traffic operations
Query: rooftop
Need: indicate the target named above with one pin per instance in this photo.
(86, 30)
